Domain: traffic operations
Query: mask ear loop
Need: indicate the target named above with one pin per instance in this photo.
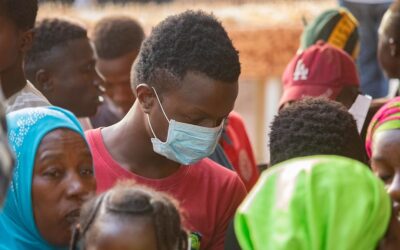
(151, 127)
(162, 109)
(159, 102)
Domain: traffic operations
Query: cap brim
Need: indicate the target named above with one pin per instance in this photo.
(295, 93)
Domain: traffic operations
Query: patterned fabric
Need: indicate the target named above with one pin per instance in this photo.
(336, 26)
(387, 118)
(27, 127)
(28, 97)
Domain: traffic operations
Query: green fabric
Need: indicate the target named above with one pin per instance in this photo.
(324, 27)
(320, 28)
(314, 203)
(389, 125)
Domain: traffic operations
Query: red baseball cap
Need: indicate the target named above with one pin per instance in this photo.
(320, 70)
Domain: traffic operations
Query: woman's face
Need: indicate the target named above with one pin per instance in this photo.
(385, 162)
(62, 181)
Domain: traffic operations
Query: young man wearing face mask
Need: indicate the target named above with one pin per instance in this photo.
(186, 82)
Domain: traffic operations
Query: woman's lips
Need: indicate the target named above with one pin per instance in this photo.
(72, 216)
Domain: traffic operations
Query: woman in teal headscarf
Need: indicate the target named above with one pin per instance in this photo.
(53, 176)
(317, 203)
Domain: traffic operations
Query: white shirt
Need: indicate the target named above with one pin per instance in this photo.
(27, 97)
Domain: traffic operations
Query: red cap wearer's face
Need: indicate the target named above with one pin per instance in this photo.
(320, 70)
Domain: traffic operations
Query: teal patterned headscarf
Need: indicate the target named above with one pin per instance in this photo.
(26, 129)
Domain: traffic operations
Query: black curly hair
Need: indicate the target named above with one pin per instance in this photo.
(314, 126)
(127, 200)
(191, 41)
(50, 33)
(115, 36)
(20, 12)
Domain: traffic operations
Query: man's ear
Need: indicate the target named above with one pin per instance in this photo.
(26, 40)
(44, 81)
(146, 97)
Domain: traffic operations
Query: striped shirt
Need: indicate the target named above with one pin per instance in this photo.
(27, 97)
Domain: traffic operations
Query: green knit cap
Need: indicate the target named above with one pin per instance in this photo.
(337, 27)
(314, 203)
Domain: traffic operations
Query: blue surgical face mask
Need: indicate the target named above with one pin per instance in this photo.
(186, 143)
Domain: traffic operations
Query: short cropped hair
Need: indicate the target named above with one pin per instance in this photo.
(116, 36)
(50, 33)
(312, 126)
(191, 41)
(21, 12)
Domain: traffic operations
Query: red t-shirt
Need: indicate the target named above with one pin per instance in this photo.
(239, 151)
(208, 193)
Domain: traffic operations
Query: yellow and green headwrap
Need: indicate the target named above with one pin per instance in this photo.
(314, 203)
(336, 26)
(387, 118)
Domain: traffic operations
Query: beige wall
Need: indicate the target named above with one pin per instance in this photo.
(258, 103)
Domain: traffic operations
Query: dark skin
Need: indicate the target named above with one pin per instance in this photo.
(6, 157)
(391, 240)
(389, 45)
(385, 161)
(13, 44)
(200, 100)
(69, 78)
(110, 232)
(64, 165)
(385, 164)
(348, 96)
(116, 73)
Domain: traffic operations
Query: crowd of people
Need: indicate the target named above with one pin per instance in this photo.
(114, 139)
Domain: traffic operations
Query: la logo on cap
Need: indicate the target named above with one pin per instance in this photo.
(301, 71)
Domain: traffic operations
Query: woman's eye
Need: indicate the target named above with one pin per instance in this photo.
(87, 172)
(385, 177)
(53, 173)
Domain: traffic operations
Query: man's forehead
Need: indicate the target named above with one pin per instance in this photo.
(390, 24)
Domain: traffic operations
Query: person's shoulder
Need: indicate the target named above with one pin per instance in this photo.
(93, 132)
(27, 97)
(93, 136)
(25, 100)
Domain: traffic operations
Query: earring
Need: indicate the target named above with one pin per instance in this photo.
(392, 47)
